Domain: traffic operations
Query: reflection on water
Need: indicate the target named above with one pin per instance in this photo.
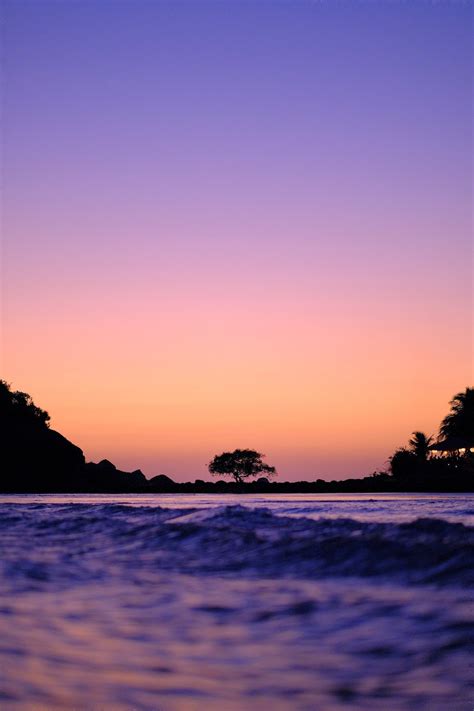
(108, 606)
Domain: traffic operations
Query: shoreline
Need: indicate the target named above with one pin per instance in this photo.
(343, 487)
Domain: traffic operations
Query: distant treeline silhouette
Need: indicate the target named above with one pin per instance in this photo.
(35, 458)
(449, 458)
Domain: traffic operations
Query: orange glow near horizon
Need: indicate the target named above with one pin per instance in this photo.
(324, 395)
(254, 234)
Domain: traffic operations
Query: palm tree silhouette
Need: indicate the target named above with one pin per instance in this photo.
(420, 445)
(460, 421)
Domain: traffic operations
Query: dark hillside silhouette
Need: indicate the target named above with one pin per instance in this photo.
(33, 456)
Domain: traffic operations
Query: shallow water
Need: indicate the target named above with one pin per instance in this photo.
(236, 602)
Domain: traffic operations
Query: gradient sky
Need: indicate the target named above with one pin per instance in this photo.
(238, 224)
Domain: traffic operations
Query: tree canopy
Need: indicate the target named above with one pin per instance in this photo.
(460, 421)
(420, 445)
(16, 406)
(240, 464)
(403, 463)
(450, 461)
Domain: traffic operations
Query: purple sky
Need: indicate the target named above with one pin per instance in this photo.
(238, 224)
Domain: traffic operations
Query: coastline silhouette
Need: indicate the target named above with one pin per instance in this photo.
(36, 458)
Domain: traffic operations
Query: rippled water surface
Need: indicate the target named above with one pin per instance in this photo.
(227, 602)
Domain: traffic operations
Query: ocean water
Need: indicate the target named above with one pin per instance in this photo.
(183, 602)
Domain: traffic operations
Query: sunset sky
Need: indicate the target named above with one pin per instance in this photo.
(238, 224)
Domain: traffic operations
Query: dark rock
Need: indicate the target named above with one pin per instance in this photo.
(138, 477)
(104, 476)
(106, 465)
(161, 482)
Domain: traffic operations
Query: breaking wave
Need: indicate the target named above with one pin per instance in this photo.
(230, 540)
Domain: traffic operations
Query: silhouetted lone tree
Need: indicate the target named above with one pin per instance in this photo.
(240, 464)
